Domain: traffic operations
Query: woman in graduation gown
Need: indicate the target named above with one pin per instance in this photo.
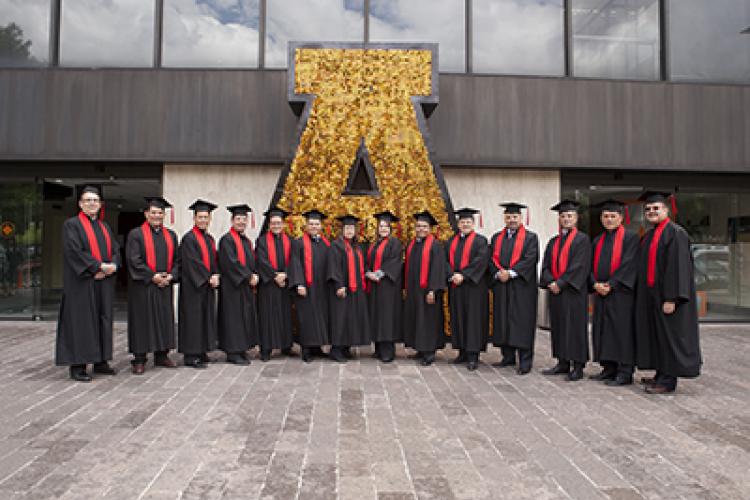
(384, 267)
(666, 306)
(350, 321)
(613, 273)
(425, 275)
(238, 317)
(151, 254)
(91, 256)
(565, 273)
(308, 280)
(199, 279)
(273, 259)
(514, 255)
(467, 290)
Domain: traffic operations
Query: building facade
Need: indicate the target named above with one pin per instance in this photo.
(537, 99)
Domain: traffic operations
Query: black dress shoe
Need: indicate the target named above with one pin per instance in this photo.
(620, 380)
(505, 362)
(237, 359)
(576, 374)
(306, 355)
(196, 363)
(337, 356)
(427, 360)
(287, 351)
(461, 358)
(387, 360)
(604, 375)
(557, 370)
(104, 369)
(648, 381)
(472, 365)
(80, 376)
(523, 371)
(265, 356)
(659, 389)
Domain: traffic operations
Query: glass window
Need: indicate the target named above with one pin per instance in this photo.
(706, 43)
(24, 32)
(210, 34)
(441, 21)
(517, 37)
(97, 33)
(310, 21)
(616, 39)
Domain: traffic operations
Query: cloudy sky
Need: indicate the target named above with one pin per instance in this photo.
(509, 36)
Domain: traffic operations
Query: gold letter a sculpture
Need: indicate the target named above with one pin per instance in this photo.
(362, 141)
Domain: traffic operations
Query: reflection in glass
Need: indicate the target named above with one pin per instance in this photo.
(310, 21)
(203, 33)
(24, 32)
(616, 38)
(517, 37)
(706, 43)
(107, 33)
(441, 21)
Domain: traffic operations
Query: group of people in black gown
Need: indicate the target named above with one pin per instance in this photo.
(343, 293)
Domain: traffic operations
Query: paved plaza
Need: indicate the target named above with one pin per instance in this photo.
(366, 430)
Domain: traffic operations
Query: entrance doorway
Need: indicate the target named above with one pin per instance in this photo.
(33, 208)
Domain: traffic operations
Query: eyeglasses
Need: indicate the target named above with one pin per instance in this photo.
(90, 200)
(652, 209)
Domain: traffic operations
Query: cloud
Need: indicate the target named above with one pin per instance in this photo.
(217, 33)
(107, 33)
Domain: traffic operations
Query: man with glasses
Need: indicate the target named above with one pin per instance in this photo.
(91, 256)
(666, 306)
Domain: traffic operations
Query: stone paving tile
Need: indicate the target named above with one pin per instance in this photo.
(365, 430)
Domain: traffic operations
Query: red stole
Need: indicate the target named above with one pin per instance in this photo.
(378, 254)
(465, 253)
(425, 264)
(271, 244)
(517, 247)
(148, 243)
(616, 251)
(351, 265)
(307, 244)
(91, 237)
(652, 249)
(204, 248)
(240, 247)
(559, 269)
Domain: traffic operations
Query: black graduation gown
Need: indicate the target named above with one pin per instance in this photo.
(238, 317)
(385, 298)
(515, 301)
(151, 325)
(197, 300)
(84, 327)
(469, 304)
(568, 310)
(668, 343)
(423, 323)
(350, 319)
(312, 310)
(274, 302)
(613, 332)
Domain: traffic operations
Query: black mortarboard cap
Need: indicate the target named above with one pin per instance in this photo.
(314, 214)
(512, 207)
(654, 196)
(387, 216)
(202, 206)
(427, 217)
(242, 209)
(466, 213)
(276, 211)
(156, 201)
(566, 206)
(348, 220)
(90, 189)
(610, 205)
